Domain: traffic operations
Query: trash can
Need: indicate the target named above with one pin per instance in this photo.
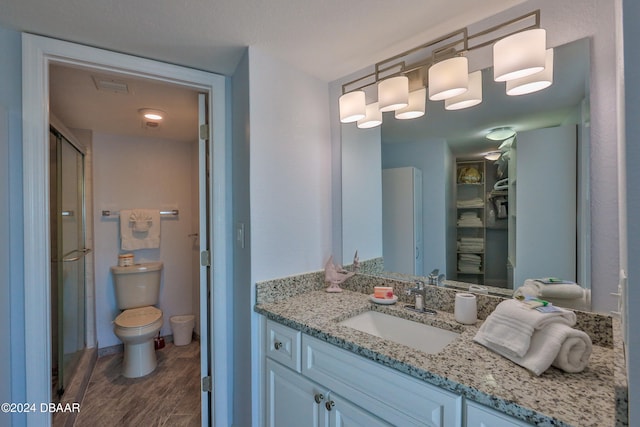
(182, 327)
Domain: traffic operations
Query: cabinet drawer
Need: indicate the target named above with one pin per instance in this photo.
(481, 416)
(381, 390)
(283, 345)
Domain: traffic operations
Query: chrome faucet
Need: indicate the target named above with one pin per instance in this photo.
(434, 278)
(420, 291)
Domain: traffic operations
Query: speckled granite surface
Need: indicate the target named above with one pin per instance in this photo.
(595, 397)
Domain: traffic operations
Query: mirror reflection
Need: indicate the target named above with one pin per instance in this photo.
(487, 222)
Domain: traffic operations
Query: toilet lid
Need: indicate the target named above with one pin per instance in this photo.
(136, 317)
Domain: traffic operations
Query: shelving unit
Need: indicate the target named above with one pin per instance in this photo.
(471, 220)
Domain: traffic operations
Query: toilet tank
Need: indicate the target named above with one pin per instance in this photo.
(137, 285)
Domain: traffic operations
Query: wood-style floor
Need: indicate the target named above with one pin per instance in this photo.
(169, 396)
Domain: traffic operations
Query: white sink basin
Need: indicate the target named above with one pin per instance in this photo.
(402, 331)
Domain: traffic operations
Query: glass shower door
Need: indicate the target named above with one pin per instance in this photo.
(68, 254)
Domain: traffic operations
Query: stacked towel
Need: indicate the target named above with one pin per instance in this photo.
(476, 202)
(535, 340)
(139, 229)
(471, 244)
(562, 293)
(469, 219)
(469, 263)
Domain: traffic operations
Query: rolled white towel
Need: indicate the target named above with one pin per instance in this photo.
(511, 325)
(555, 290)
(556, 344)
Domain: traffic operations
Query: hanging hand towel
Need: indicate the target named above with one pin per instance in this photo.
(139, 229)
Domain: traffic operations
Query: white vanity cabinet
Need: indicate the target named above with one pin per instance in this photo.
(334, 387)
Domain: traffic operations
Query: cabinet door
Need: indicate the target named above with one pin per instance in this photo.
(481, 416)
(343, 413)
(291, 399)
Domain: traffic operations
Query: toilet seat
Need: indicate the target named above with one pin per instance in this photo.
(138, 317)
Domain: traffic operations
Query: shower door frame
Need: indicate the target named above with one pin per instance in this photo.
(37, 53)
(78, 255)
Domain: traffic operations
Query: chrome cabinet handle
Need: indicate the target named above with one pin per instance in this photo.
(319, 397)
(277, 345)
(330, 404)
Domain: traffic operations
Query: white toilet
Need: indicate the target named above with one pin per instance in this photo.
(137, 291)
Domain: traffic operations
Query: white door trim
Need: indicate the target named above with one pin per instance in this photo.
(37, 53)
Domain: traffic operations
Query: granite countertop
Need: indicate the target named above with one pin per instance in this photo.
(463, 366)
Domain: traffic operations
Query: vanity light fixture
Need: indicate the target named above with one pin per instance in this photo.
(519, 55)
(448, 78)
(352, 106)
(417, 105)
(534, 82)
(473, 96)
(500, 134)
(393, 93)
(519, 47)
(372, 118)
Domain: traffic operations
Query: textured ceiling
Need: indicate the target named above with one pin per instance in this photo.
(327, 38)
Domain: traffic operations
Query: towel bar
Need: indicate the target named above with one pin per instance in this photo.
(114, 213)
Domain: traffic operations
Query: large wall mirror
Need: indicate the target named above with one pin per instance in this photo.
(547, 170)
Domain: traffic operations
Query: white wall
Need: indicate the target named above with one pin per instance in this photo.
(143, 173)
(290, 169)
(289, 181)
(12, 357)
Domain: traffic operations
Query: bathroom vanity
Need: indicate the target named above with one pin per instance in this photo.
(318, 370)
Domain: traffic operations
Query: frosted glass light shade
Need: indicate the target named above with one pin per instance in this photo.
(500, 134)
(493, 155)
(417, 105)
(372, 118)
(534, 82)
(352, 106)
(473, 95)
(519, 55)
(393, 93)
(448, 78)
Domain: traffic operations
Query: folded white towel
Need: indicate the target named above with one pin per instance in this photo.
(556, 344)
(131, 238)
(542, 290)
(510, 326)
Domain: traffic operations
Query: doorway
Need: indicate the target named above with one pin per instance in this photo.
(38, 53)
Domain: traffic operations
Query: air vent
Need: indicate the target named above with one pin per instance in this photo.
(109, 84)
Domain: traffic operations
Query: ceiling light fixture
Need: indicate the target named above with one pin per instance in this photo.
(500, 134)
(152, 115)
(519, 50)
(493, 155)
(534, 82)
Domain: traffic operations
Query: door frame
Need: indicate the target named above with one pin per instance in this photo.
(37, 53)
